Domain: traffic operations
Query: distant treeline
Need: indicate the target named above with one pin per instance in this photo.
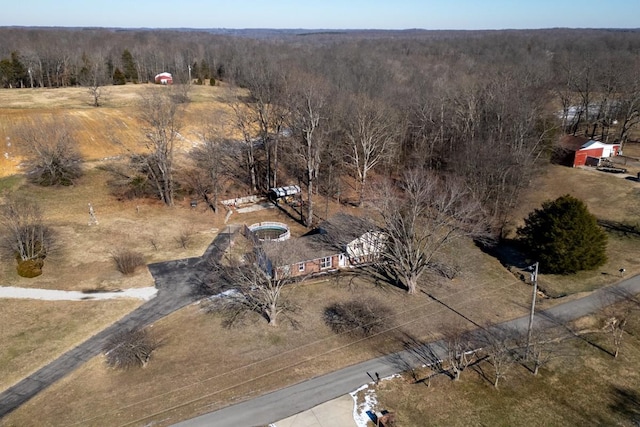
(59, 57)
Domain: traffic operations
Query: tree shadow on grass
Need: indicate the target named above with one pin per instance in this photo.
(620, 229)
(419, 353)
(506, 251)
(626, 402)
(550, 320)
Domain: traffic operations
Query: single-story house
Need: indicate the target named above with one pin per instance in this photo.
(342, 241)
(579, 151)
(164, 78)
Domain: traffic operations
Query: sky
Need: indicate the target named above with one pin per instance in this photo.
(325, 14)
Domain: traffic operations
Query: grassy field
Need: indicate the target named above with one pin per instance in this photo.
(583, 386)
(210, 366)
(201, 365)
(107, 131)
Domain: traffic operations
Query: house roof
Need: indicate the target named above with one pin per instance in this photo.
(573, 143)
(329, 238)
(596, 144)
(576, 143)
(341, 229)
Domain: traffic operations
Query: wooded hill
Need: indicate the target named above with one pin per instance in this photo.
(484, 106)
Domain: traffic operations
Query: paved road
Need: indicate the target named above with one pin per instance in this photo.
(178, 284)
(292, 400)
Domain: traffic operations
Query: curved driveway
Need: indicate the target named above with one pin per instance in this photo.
(178, 284)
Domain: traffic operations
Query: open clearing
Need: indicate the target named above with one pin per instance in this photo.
(202, 366)
(111, 130)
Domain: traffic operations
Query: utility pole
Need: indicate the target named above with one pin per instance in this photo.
(534, 279)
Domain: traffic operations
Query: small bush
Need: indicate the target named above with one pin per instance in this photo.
(185, 238)
(359, 317)
(127, 261)
(30, 268)
(130, 349)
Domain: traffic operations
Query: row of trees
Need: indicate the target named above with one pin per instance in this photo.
(66, 57)
(92, 69)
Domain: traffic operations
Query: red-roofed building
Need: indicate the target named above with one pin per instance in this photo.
(164, 78)
(579, 151)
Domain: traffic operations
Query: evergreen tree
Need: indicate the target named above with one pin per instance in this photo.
(6, 73)
(205, 71)
(129, 67)
(12, 72)
(19, 70)
(564, 237)
(118, 77)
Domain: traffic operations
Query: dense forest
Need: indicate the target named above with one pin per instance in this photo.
(483, 107)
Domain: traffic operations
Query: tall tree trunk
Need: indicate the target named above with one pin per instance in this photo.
(275, 163)
(309, 219)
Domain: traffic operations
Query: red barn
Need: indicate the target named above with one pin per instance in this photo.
(592, 151)
(582, 151)
(164, 78)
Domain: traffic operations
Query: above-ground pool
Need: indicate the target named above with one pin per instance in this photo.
(273, 231)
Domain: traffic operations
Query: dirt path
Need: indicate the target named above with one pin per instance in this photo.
(178, 283)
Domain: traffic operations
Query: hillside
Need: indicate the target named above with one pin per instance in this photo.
(106, 131)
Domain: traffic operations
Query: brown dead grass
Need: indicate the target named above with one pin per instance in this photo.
(585, 387)
(610, 197)
(82, 257)
(108, 131)
(211, 366)
(187, 376)
(33, 333)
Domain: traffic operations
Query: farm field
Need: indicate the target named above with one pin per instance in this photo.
(202, 365)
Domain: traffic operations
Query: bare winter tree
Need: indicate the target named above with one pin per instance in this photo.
(265, 81)
(51, 152)
(627, 107)
(260, 116)
(214, 160)
(94, 76)
(308, 102)
(26, 235)
(130, 349)
(372, 132)
(245, 123)
(259, 286)
(545, 345)
(421, 217)
(160, 114)
(508, 113)
(498, 344)
(615, 316)
(460, 350)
